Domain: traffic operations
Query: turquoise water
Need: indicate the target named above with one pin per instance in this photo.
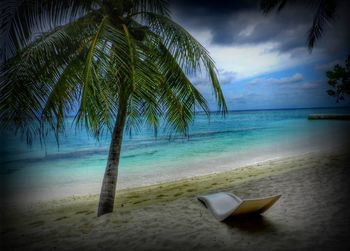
(77, 166)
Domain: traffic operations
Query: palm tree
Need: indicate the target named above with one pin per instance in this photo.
(324, 14)
(115, 63)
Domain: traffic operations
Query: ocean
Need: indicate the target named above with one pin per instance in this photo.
(216, 144)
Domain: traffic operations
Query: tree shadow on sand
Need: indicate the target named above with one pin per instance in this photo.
(253, 224)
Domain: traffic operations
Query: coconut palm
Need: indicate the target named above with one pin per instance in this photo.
(115, 64)
(324, 14)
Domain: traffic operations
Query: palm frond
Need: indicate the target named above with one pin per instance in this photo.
(187, 51)
(178, 97)
(144, 105)
(268, 5)
(88, 86)
(63, 96)
(24, 21)
(31, 75)
(325, 13)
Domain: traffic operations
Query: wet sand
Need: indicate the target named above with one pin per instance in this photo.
(312, 213)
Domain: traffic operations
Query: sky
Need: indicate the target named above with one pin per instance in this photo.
(262, 60)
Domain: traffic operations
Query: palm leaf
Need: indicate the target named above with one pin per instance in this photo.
(268, 5)
(187, 51)
(325, 12)
(30, 76)
(24, 21)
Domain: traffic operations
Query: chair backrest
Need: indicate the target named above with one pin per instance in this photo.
(219, 203)
(255, 205)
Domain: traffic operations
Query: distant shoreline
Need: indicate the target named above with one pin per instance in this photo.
(267, 109)
(329, 116)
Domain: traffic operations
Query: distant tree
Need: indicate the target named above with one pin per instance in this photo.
(324, 13)
(339, 80)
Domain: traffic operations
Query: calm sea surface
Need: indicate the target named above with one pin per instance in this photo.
(214, 145)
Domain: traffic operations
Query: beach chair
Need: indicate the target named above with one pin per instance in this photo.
(223, 205)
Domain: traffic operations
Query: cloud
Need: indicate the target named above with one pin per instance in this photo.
(212, 8)
(314, 86)
(311, 86)
(297, 77)
(244, 101)
(252, 46)
(248, 46)
(239, 99)
(243, 23)
(328, 66)
(249, 61)
(232, 23)
(225, 78)
(244, 98)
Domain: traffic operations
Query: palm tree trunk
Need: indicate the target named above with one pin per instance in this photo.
(109, 183)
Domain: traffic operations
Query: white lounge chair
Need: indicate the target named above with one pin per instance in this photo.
(223, 205)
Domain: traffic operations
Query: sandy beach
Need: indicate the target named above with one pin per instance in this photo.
(312, 213)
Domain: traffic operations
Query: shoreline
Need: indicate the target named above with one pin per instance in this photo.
(226, 177)
(28, 197)
(311, 214)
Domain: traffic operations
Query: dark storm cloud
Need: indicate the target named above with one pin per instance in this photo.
(213, 8)
(242, 22)
(221, 17)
